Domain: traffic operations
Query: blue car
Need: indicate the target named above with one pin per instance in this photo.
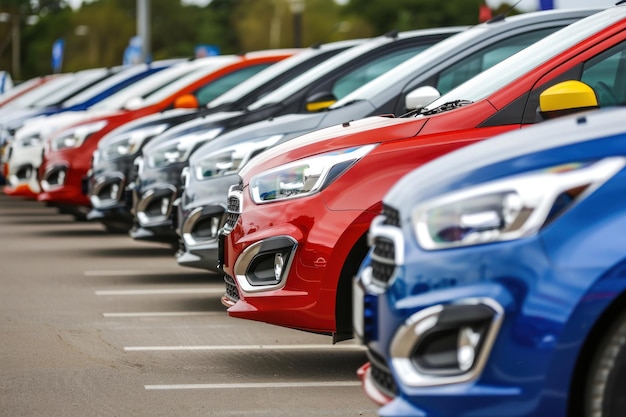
(496, 280)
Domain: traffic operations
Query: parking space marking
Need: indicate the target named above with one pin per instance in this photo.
(171, 291)
(121, 272)
(242, 347)
(256, 385)
(164, 314)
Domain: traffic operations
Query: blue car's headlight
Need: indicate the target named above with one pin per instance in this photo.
(230, 159)
(509, 208)
(304, 177)
(128, 143)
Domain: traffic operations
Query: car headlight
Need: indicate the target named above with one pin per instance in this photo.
(304, 177)
(34, 139)
(180, 149)
(128, 143)
(509, 208)
(74, 137)
(229, 160)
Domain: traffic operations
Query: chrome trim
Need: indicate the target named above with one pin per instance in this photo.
(243, 263)
(409, 334)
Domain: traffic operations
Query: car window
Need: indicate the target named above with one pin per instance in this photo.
(220, 86)
(488, 57)
(362, 75)
(606, 74)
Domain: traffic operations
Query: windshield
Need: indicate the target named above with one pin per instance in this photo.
(213, 65)
(536, 54)
(273, 71)
(82, 80)
(405, 69)
(317, 72)
(148, 85)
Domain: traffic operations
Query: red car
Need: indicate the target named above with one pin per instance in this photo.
(297, 222)
(68, 152)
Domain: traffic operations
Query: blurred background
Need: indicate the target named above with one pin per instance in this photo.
(39, 37)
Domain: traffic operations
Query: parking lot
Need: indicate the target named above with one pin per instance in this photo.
(99, 324)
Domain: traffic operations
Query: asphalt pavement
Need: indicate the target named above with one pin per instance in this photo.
(97, 324)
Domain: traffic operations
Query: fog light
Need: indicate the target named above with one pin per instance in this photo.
(279, 263)
(165, 205)
(114, 190)
(265, 265)
(61, 178)
(446, 344)
(466, 350)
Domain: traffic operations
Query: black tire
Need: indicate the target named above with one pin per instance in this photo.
(604, 394)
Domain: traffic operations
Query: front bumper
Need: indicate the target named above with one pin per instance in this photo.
(62, 184)
(21, 166)
(201, 214)
(283, 262)
(521, 366)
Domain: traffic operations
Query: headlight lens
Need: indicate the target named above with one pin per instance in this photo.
(180, 149)
(128, 143)
(229, 160)
(510, 208)
(304, 177)
(75, 137)
(34, 139)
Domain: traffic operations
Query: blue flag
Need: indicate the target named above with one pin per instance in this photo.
(57, 55)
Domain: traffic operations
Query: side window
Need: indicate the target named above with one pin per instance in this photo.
(366, 73)
(222, 85)
(606, 74)
(478, 62)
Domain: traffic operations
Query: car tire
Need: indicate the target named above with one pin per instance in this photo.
(607, 374)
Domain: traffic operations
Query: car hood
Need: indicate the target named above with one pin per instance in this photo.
(507, 154)
(375, 129)
(198, 124)
(168, 117)
(286, 125)
(44, 125)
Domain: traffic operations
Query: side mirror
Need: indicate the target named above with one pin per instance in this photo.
(186, 101)
(320, 101)
(565, 98)
(134, 103)
(421, 97)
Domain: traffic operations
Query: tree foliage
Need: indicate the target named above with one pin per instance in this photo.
(98, 32)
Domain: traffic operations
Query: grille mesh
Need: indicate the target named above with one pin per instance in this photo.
(381, 375)
(232, 293)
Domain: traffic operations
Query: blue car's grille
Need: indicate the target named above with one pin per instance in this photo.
(392, 216)
(370, 324)
(384, 251)
(381, 375)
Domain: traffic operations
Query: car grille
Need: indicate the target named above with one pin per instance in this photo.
(381, 375)
(232, 293)
(384, 251)
(233, 209)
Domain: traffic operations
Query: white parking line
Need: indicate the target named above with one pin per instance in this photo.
(242, 347)
(121, 272)
(256, 385)
(164, 314)
(170, 291)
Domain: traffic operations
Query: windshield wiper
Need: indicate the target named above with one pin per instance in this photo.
(450, 105)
